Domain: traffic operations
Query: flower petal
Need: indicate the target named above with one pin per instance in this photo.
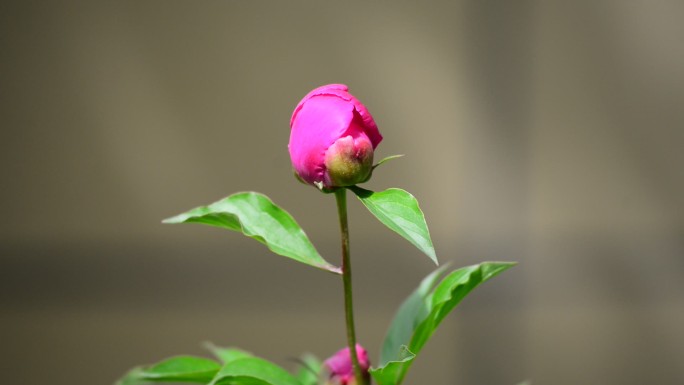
(319, 122)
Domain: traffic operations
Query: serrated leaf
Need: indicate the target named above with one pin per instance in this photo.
(310, 370)
(422, 312)
(399, 211)
(227, 354)
(253, 371)
(181, 369)
(257, 217)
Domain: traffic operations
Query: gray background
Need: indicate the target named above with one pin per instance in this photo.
(540, 132)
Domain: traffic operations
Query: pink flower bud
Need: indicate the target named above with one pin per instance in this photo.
(332, 138)
(340, 366)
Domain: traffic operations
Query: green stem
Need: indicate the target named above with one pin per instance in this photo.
(341, 197)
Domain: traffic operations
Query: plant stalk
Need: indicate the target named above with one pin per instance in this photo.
(341, 198)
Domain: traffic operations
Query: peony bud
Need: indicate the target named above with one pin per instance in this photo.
(340, 366)
(332, 138)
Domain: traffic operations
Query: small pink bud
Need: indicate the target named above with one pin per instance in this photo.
(340, 366)
(332, 138)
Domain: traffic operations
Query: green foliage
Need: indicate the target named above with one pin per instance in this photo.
(256, 216)
(253, 371)
(422, 312)
(226, 355)
(175, 369)
(414, 309)
(310, 370)
(399, 211)
(239, 368)
(182, 369)
(133, 377)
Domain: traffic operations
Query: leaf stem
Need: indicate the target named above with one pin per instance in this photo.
(341, 198)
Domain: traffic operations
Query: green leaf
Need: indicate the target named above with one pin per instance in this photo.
(422, 312)
(226, 355)
(310, 370)
(256, 216)
(414, 309)
(399, 210)
(181, 369)
(133, 378)
(253, 371)
(393, 372)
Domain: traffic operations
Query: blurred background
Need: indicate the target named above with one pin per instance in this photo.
(548, 133)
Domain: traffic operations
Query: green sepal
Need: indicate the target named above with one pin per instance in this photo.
(383, 160)
(386, 159)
